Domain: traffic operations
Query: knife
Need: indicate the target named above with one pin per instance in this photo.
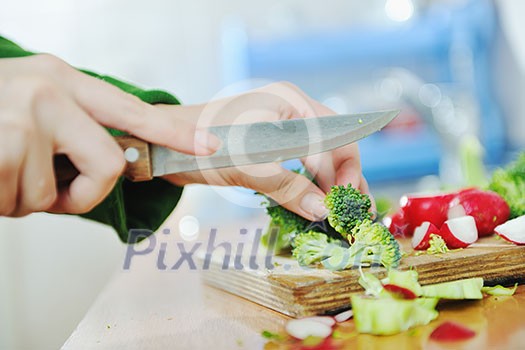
(243, 144)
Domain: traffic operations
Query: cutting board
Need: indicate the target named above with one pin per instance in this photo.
(298, 291)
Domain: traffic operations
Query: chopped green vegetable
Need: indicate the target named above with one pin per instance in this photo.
(437, 245)
(462, 289)
(389, 316)
(371, 284)
(406, 279)
(347, 208)
(271, 336)
(500, 290)
(509, 183)
(428, 303)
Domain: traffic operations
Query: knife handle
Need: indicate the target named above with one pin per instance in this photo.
(136, 152)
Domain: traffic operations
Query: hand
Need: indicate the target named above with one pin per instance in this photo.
(48, 108)
(275, 102)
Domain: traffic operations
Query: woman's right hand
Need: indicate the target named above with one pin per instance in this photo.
(48, 108)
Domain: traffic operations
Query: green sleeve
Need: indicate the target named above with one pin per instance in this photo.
(143, 205)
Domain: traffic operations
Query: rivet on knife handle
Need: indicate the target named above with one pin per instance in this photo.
(138, 158)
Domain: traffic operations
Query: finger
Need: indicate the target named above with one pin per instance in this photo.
(94, 153)
(11, 156)
(114, 108)
(348, 165)
(293, 191)
(38, 187)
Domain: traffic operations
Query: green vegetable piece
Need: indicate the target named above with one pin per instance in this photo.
(347, 208)
(371, 284)
(428, 303)
(271, 336)
(437, 245)
(500, 290)
(509, 183)
(389, 316)
(469, 288)
(406, 279)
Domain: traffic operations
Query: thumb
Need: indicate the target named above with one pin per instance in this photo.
(293, 191)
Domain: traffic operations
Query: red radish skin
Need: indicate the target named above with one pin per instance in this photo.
(449, 332)
(398, 225)
(325, 344)
(459, 232)
(487, 208)
(421, 208)
(513, 230)
(421, 238)
(399, 292)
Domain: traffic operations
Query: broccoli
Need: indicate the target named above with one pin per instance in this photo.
(347, 207)
(284, 225)
(312, 247)
(437, 245)
(509, 183)
(370, 243)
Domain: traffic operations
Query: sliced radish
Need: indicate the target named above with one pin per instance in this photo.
(344, 316)
(327, 320)
(421, 208)
(421, 238)
(303, 328)
(399, 292)
(487, 208)
(513, 230)
(459, 232)
(450, 331)
(398, 224)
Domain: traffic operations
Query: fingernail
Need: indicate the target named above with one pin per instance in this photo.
(206, 142)
(312, 203)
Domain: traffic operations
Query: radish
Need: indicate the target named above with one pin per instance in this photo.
(513, 230)
(421, 238)
(459, 232)
(421, 208)
(307, 327)
(450, 331)
(344, 316)
(398, 224)
(488, 209)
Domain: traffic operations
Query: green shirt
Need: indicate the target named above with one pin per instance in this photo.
(143, 205)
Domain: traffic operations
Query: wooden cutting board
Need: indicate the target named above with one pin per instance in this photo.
(298, 291)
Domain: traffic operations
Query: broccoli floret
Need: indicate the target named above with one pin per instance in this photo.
(312, 247)
(370, 243)
(284, 225)
(347, 207)
(437, 245)
(509, 183)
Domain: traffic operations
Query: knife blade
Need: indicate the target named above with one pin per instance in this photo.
(244, 144)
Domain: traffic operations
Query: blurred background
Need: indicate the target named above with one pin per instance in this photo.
(455, 68)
